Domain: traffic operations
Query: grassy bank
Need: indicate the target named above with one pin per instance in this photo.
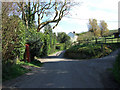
(116, 69)
(12, 71)
(86, 51)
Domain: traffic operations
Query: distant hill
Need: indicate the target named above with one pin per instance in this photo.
(81, 33)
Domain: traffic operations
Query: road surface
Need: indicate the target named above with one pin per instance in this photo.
(58, 72)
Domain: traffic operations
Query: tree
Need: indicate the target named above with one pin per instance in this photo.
(47, 12)
(93, 27)
(50, 39)
(63, 37)
(104, 28)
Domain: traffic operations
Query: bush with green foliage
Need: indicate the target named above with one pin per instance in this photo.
(35, 40)
(116, 69)
(62, 37)
(64, 41)
(13, 39)
(60, 46)
(87, 51)
(41, 44)
(50, 40)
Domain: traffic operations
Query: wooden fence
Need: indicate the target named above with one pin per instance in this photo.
(101, 40)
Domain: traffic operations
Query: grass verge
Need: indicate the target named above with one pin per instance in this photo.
(12, 71)
(34, 63)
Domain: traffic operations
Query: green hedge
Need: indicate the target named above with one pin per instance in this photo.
(13, 39)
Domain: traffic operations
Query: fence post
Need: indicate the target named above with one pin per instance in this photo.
(95, 40)
(102, 47)
(105, 39)
(87, 41)
(117, 40)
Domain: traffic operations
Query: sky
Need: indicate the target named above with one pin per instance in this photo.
(106, 10)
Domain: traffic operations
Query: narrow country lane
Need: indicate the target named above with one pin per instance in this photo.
(58, 72)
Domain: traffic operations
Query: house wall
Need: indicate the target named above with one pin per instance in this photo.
(119, 30)
(73, 37)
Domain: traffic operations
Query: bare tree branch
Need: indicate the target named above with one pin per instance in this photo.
(54, 11)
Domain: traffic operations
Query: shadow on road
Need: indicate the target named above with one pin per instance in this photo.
(52, 56)
(56, 55)
(58, 72)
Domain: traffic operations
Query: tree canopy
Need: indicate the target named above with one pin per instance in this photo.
(63, 37)
(94, 27)
(104, 28)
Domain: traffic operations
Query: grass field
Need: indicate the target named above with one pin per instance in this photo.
(109, 39)
(105, 39)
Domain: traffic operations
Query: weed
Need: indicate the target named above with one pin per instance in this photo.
(15, 70)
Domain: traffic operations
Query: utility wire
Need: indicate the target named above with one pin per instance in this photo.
(88, 19)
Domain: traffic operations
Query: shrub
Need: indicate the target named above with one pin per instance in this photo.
(60, 46)
(36, 41)
(86, 51)
(41, 44)
(13, 39)
(116, 69)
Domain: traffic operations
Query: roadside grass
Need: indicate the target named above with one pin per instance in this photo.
(116, 69)
(87, 51)
(13, 71)
(34, 63)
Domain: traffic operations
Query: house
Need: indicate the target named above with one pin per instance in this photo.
(73, 36)
(117, 34)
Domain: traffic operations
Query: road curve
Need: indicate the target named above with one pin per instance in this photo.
(58, 72)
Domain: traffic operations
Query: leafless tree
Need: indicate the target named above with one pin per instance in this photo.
(51, 11)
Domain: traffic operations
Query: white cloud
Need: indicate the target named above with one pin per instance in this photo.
(98, 9)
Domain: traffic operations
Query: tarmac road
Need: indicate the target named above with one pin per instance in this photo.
(58, 72)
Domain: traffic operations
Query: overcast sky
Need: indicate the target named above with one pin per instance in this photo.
(106, 10)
